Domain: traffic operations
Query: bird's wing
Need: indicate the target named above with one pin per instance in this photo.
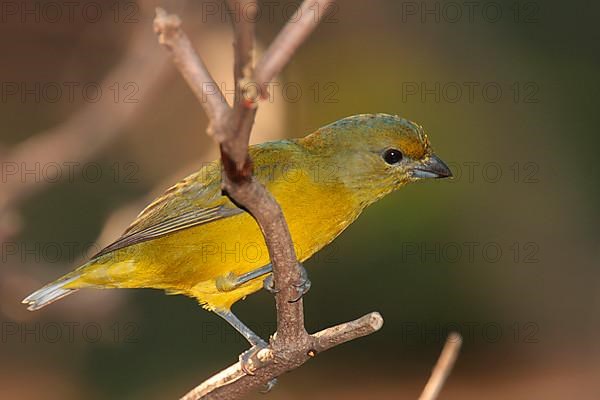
(196, 200)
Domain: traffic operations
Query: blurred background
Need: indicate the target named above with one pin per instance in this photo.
(96, 122)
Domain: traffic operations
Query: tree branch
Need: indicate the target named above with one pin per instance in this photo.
(442, 368)
(192, 68)
(305, 20)
(245, 106)
(233, 383)
(243, 45)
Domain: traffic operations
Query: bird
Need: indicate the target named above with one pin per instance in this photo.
(194, 241)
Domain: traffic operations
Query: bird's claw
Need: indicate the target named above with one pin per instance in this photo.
(304, 286)
(269, 285)
(269, 385)
(249, 361)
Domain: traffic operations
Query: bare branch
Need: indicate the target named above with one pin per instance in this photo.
(245, 106)
(243, 45)
(290, 316)
(301, 24)
(238, 169)
(221, 385)
(251, 84)
(248, 192)
(192, 68)
(342, 333)
(442, 367)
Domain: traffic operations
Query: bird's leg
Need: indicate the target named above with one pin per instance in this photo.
(255, 341)
(251, 337)
(303, 287)
(231, 281)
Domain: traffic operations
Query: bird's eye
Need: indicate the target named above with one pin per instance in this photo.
(392, 156)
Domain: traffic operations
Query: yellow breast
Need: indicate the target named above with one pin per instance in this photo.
(190, 261)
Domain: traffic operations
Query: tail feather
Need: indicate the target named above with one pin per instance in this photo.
(50, 293)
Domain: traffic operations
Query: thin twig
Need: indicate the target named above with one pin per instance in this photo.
(243, 44)
(251, 83)
(192, 68)
(245, 105)
(442, 368)
(305, 20)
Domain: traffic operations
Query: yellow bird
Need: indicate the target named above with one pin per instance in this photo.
(194, 241)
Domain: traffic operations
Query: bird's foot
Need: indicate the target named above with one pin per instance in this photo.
(230, 281)
(250, 360)
(269, 385)
(303, 287)
(269, 285)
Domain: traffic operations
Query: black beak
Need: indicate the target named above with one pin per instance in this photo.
(432, 167)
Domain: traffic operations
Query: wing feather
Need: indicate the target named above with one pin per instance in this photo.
(197, 199)
(193, 201)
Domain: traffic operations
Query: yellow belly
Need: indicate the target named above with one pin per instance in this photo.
(190, 261)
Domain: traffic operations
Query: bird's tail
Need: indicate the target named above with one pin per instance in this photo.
(51, 292)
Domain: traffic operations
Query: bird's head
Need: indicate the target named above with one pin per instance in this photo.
(377, 153)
